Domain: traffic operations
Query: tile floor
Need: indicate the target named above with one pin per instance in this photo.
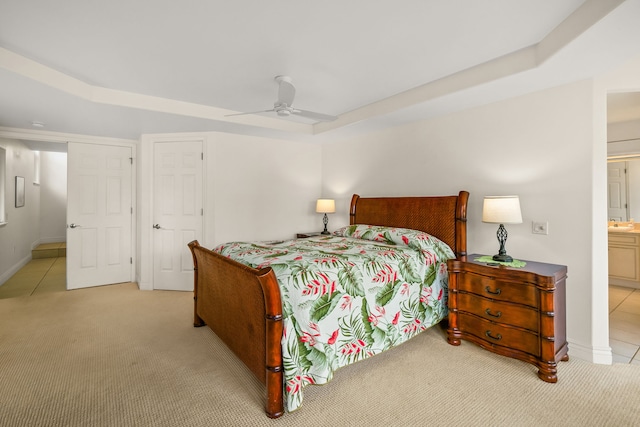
(49, 275)
(624, 324)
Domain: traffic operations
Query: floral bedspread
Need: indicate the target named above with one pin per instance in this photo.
(349, 296)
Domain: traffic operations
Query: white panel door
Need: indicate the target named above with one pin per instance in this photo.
(177, 212)
(99, 215)
(617, 191)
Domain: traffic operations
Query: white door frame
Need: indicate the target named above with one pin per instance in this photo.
(145, 236)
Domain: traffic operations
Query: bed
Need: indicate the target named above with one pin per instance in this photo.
(249, 293)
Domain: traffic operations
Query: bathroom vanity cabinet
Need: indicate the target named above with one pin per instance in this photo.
(624, 258)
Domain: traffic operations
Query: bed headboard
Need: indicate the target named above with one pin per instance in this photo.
(444, 217)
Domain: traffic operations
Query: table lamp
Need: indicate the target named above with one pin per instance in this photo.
(325, 206)
(502, 210)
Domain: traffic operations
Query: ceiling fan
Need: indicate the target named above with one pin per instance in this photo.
(286, 93)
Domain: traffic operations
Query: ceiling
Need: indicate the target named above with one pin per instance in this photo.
(123, 68)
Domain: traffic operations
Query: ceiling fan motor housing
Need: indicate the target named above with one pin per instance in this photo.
(282, 107)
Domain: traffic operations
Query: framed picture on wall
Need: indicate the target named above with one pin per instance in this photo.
(19, 191)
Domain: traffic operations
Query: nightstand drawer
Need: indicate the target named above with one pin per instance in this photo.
(495, 334)
(496, 289)
(502, 312)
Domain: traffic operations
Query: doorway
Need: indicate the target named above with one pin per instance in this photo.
(623, 195)
(43, 253)
(53, 195)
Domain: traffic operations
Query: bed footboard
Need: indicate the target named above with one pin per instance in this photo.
(242, 305)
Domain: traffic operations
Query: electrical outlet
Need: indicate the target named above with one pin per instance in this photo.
(539, 227)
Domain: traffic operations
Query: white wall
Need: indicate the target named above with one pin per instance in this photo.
(538, 146)
(255, 189)
(549, 147)
(22, 231)
(260, 189)
(53, 197)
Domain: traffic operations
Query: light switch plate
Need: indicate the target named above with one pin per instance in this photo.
(540, 227)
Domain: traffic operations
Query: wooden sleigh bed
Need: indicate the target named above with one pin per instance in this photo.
(243, 305)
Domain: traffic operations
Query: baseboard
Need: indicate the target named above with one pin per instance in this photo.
(624, 283)
(143, 285)
(598, 355)
(14, 269)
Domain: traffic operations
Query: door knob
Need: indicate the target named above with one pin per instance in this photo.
(73, 225)
(156, 226)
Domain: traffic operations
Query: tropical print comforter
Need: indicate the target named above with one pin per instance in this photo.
(349, 296)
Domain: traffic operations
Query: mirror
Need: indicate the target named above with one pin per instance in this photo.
(623, 189)
(623, 156)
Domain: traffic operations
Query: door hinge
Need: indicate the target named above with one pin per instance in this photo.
(201, 156)
(132, 210)
(201, 212)
(130, 260)
(131, 160)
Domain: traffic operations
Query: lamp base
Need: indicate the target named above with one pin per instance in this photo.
(325, 220)
(502, 258)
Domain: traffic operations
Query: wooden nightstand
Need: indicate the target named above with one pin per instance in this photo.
(305, 235)
(515, 312)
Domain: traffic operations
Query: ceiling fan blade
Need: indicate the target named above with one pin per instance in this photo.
(253, 112)
(316, 116)
(286, 91)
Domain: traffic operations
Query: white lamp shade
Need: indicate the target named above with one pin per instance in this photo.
(326, 206)
(501, 210)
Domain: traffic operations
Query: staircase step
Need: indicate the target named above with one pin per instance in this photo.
(49, 250)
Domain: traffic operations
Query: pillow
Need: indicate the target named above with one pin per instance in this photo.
(396, 236)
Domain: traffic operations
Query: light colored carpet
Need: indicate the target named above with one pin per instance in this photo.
(116, 356)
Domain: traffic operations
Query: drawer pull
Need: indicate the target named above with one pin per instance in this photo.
(489, 291)
(497, 337)
(489, 313)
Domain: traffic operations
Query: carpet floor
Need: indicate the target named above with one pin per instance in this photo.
(117, 356)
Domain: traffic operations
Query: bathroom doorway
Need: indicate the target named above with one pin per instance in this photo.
(623, 195)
